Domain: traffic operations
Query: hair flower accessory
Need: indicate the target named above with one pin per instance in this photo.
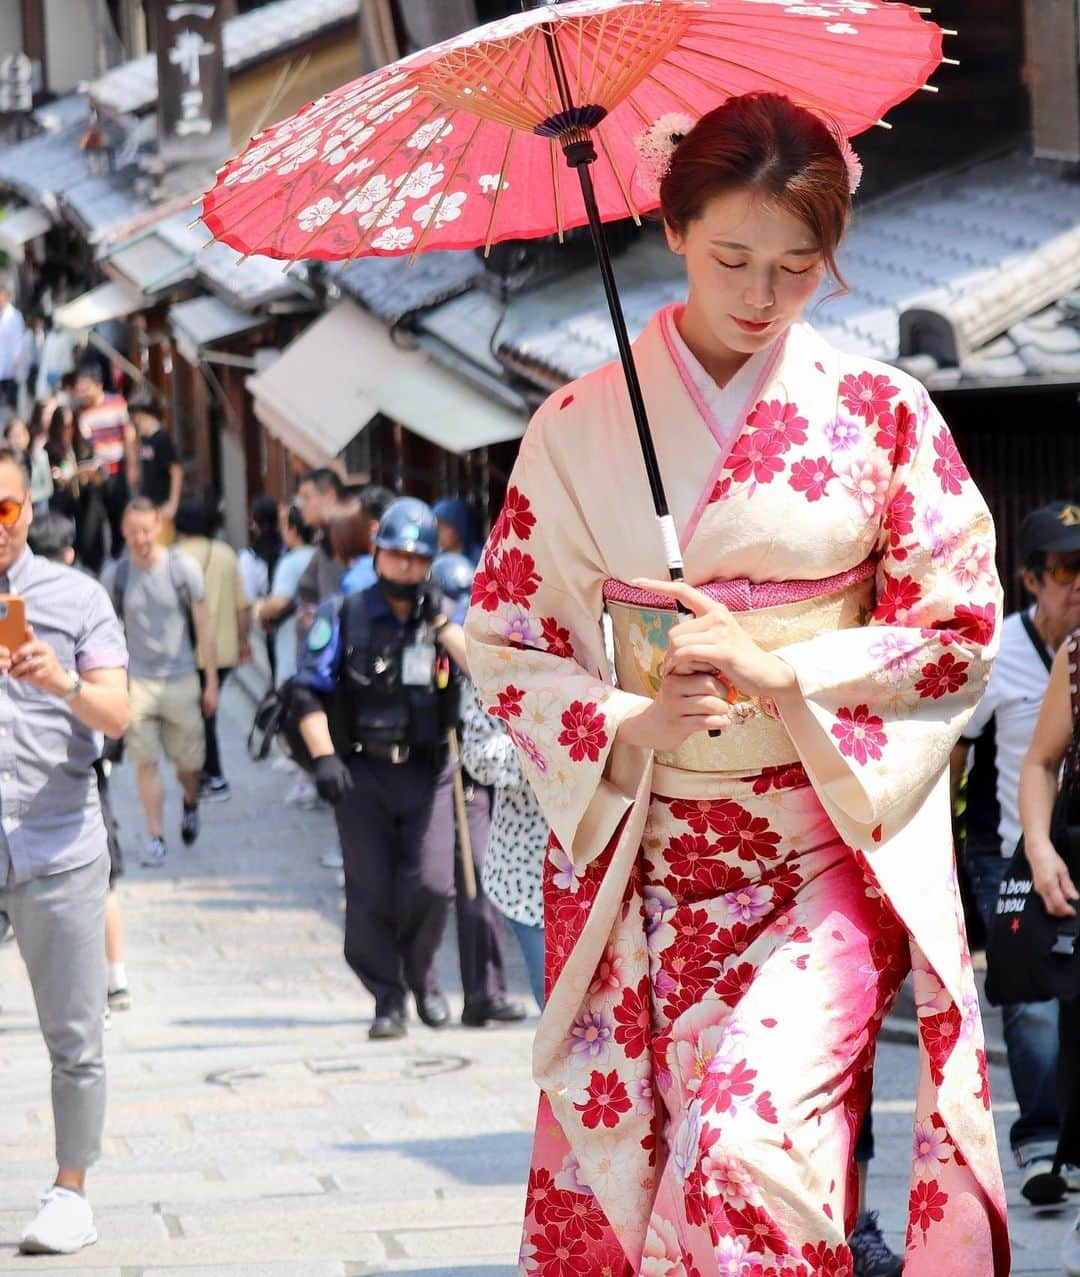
(656, 145)
(854, 165)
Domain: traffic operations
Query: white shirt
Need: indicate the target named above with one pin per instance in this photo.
(1013, 698)
(11, 334)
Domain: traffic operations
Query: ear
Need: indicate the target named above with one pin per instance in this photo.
(676, 240)
(1031, 581)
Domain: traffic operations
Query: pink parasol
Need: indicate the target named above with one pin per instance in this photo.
(458, 146)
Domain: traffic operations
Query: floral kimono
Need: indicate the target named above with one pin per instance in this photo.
(728, 924)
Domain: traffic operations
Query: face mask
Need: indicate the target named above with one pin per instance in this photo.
(400, 590)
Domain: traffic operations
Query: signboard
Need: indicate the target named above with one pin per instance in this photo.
(193, 124)
(16, 82)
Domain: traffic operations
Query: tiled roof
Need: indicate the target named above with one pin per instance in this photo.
(977, 257)
(563, 330)
(167, 243)
(393, 287)
(249, 38)
(51, 172)
(41, 167)
(99, 204)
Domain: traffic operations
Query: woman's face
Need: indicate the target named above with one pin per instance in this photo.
(752, 268)
(18, 436)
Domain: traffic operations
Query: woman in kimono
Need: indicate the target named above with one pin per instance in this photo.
(729, 916)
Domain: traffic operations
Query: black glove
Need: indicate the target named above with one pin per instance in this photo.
(429, 608)
(332, 778)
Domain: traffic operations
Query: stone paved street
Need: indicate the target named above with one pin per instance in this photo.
(253, 1131)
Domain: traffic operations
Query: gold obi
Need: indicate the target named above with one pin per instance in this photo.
(757, 738)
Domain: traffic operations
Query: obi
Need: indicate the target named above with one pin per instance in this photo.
(774, 614)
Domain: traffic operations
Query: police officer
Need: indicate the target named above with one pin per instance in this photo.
(483, 978)
(376, 695)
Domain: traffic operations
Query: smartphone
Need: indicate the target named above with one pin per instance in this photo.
(12, 621)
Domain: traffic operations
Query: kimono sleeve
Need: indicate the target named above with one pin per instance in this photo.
(487, 752)
(536, 650)
(887, 702)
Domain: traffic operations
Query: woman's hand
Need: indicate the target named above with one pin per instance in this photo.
(1051, 879)
(711, 641)
(685, 704)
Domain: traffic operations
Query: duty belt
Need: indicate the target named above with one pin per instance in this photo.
(383, 752)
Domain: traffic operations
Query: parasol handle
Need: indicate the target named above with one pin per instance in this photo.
(580, 155)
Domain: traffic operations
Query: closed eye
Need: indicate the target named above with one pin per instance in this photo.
(805, 270)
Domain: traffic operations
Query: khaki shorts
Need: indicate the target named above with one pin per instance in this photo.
(166, 715)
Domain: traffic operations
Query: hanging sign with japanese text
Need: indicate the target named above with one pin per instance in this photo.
(193, 123)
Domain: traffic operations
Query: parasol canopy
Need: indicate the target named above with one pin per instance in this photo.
(459, 145)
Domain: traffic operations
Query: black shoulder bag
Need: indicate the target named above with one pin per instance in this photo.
(1031, 956)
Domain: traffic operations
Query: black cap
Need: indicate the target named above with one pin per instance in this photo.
(1052, 527)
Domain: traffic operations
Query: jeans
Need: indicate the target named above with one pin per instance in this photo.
(531, 942)
(1031, 1039)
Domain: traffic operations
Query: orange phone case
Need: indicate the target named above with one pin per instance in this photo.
(12, 621)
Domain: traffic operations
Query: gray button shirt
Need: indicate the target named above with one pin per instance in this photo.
(50, 818)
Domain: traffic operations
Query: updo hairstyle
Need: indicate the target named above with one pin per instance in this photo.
(763, 143)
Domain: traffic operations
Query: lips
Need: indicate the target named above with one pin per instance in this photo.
(752, 325)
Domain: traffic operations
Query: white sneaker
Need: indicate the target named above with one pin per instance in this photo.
(1070, 1251)
(302, 794)
(154, 854)
(1072, 1177)
(64, 1224)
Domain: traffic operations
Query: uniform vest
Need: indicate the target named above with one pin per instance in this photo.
(398, 688)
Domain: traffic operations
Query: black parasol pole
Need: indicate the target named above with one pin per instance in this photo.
(572, 130)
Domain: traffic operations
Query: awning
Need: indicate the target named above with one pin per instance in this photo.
(204, 320)
(345, 369)
(151, 263)
(105, 302)
(18, 226)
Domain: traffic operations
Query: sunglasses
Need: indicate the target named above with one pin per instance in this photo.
(1062, 573)
(10, 509)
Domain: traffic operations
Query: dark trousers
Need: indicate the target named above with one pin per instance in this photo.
(482, 974)
(102, 507)
(212, 765)
(1068, 1080)
(9, 392)
(396, 827)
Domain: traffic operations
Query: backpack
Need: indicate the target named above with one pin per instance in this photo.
(277, 717)
(118, 588)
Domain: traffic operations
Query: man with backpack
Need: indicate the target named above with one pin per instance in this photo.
(158, 594)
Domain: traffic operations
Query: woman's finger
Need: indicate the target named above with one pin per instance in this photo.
(692, 599)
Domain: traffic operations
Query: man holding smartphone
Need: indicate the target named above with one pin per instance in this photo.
(63, 681)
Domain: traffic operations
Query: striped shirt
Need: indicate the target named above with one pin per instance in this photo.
(104, 426)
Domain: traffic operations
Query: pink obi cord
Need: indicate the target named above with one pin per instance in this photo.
(743, 595)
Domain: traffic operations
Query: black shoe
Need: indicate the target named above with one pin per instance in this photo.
(1041, 1184)
(433, 1009)
(869, 1251)
(502, 1010)
(390, 1025)
(189, 824)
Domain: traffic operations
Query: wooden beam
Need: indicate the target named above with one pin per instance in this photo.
(1053, 73)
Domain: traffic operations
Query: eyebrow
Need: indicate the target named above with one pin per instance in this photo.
(744, 248)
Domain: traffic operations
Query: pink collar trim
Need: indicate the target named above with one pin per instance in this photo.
(725, 434)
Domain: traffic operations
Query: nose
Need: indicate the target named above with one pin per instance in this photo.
(759, 292)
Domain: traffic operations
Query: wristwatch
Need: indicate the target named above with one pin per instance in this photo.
(75, 688)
